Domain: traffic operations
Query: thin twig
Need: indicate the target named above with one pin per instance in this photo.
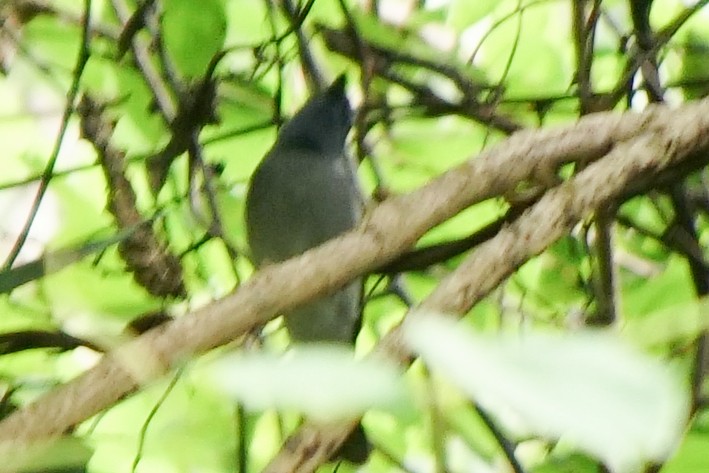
(151, 415)
(508, 448)
(82, 59)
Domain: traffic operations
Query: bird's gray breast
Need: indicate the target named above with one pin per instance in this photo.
(297, 201)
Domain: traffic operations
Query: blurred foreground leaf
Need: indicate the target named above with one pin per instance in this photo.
(324, 382)
(588, 388)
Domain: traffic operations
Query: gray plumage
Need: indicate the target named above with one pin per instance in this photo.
(303, 193)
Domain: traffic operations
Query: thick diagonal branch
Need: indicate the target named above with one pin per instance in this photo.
(390, 229)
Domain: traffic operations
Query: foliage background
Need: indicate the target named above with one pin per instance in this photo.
(435, 82)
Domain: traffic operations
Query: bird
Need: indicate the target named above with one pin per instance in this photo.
(303, 193)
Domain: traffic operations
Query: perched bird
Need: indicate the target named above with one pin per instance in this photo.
(302, 194)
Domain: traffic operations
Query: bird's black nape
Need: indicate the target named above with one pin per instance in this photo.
(322, 124)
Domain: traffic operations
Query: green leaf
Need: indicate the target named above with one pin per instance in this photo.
(194, 32)
(573, 463)
(678, 323)
(588, 388)
(692, 454)
(695, 65)
(60, 454)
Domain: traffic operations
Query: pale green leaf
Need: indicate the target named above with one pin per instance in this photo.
(324, 382)
(588, 388)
